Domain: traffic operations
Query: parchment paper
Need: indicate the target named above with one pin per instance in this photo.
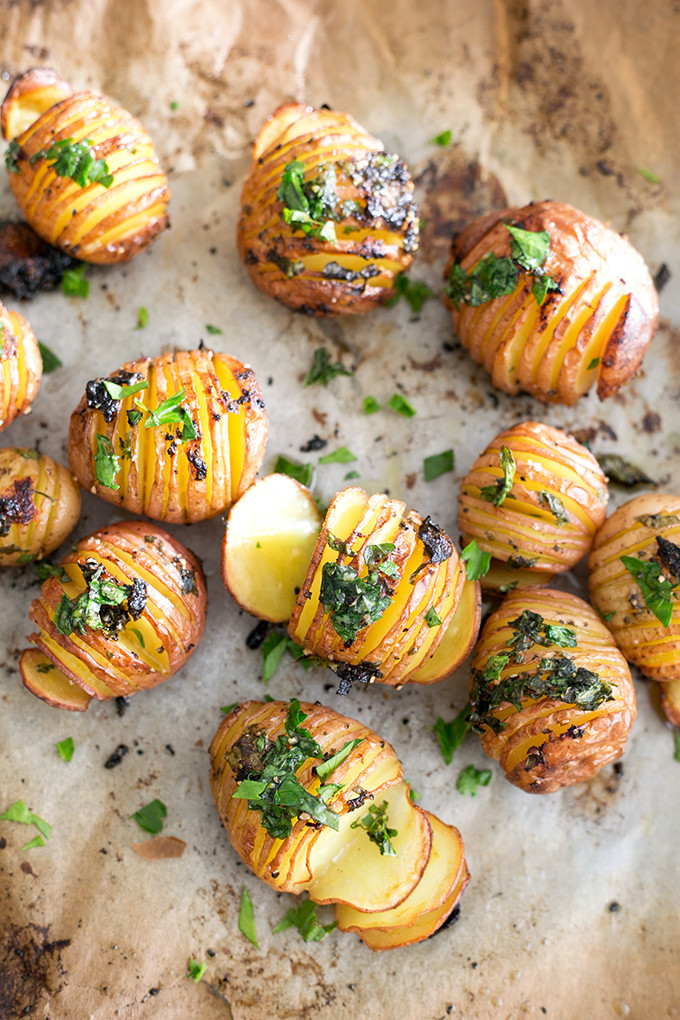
(572, 911)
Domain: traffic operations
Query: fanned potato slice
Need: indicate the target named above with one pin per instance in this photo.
(29, 96)
(20, 366)
(42, 678)
(39, 505)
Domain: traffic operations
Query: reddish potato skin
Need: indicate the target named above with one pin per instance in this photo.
(53, 505)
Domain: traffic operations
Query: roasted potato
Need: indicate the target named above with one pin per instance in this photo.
(179, 437)
(328, 219)
(393, 870)
(551, 694)
(634, 578)
(21, 366)
(549, 300)
(122, 615)
(82, 169)
(39, 505)
(533, 500)
(379, 594)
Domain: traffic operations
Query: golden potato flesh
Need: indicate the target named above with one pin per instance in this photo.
(551, 694)
(550, 322)
(328, 219)
(179, 437)
(634, 578)
(39, 505)
(122, 615)
(533, 500)
(314, 801)
(82, 169)
(382, 589)
(20, 366)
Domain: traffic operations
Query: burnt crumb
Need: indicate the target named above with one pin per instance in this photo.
(315, 443)
(210, 952)
(198, 464)
(535, 756)
(154, 991)
(170, 749)
(17, 505)
(187, 577)
(353, 803)
(116, 757)
(98, 397)
(668, 556)
(246, 758)
(348, 674)
(122, 705)
(651, 422)
(614, 907)
(257, 635)
(137, 599)
(661, 277)
(618, 768)
(605, 168)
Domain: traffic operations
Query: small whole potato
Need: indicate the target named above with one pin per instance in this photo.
(121, 614)
(328, 219)
(532, 500)
(39, 505)
(20, 366)
(82, 169)
(549, 300)
(179, 437)
(551, 694)
(634, 578)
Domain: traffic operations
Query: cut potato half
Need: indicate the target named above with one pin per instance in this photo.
(42, 678)
(29, 96)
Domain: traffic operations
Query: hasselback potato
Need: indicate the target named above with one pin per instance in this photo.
(21, 366)
(634, 578)
(82, 169)
(179, 437)
(39, 505)
(533, 500)
(551, 694)
(328, 218)
(550, 300)
(314, 801)
(121, 614)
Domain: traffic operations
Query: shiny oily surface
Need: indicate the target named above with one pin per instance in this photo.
(39, 505)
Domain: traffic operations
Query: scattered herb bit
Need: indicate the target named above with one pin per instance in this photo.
(273, 648)
(676, 754)
(656, 589)
(246, 918)
(104, 605)
(657, 521)
(49, 359)
(309, 206)
(438, 464)
(495, 276)
(134, 418)
(416, 292)
(477, 563)
(556, 507)
(18, 812)
(45, 667)
(174, 105)
(73, 282)
(69, 158)
(351, 474)
(593, 364)
(304, 919)
(171, 412)
(328, 767)
(340, 456)
(371, 405)
(24, 451)
(471, 778)
(649, 175)
(378, 555)
(531, 629)
(353, 603)
(622, 471)
(226, 709)
(11, 153)
(604, 616)
(289, 267)
(117, 392)
(401, 406)
(106, 464)
(150, 817)
(500, 489)
(451, 734)
(142, 318)
(36, 841)
(442, 139)
(431, 618)
(302, 473)
(323, 369)
(529, 249)
(375, 824)
(213, 330)
(196, 969)
(66, 748)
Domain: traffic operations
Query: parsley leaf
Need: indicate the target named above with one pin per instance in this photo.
(604, 616)
(442, 139)
(353, 603)
(371, 405)
(49, 359)
(328, 767)
(438, 464)
(196, 969)
(120, 392)
(648, 175)
(451, 734)
(477, 563)
(106, 464)
(401, 406)
(150, 817)
(304, 919)
(142, 318)
(556, 507)
(213, 330)
(66, 748)
(11, 153)
(375, 824)
(273, 648)
(73, 282)
(431, 618)
(76, 160)
(619, 470)
(655, 587)
(246, 918)
(18, 812)
(676, 754)
(531, 629)
(339, 456)
(470, 778)
(416, 292)
(500, 489)
(45, 570)
(309, 206)
(323, 369)
(302, 473)
(171, 412)
(492, 277)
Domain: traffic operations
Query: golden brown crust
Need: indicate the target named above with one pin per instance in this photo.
(598, 325)
(20, 366)
(39, 505)
(372, 236)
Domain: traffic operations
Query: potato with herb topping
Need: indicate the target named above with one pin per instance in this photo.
(179, 437)
(83, 170)
(39, 505)
(551, 694)
(328, 220)
(121, 614)
(20, 366)
(315, 801)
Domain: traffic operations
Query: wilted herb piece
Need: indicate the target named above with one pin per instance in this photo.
(378, 555)
(431, 618)
(273, 648)
(353, 603)
(302, 473)
(556, 507)
(471, 778)
(213, 330)
(451, 734)
(668, 555)
(401, 406)
(477, 563)
(150, 817)
(416, 292)
(304, 919)
(49, 359)
(11, 153)
(339, 456)
(622, 471)
(323, 369)
(593, 364)
(104, 605)
(658, 520)
(375, 824)
(309, 206)
(371, 405)
(442, 139)
(328, 767)
(352, 474)
(196, 969)
(106, 464)
(656, 589)
(142, 318)
(69, 158)
(531, 629)
(73, 282)
(649, 175)
(529, 249)
(226, 709)
(246, 918)
(500, 489)
(495, 276)
(18, 812)
(676, 754)
(438, 464)
(171, 412)
(117, 392)
(66, 748)
(45, 570)
(604, 616)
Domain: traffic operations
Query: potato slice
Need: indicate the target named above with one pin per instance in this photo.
(457, 640)
(29, 96)
(268, 544)
(42, 504)
(20, 366)
(42, 678)
(670, 701)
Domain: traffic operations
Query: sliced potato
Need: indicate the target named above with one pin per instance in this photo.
(20, 366)
(39, 505)
(268, 543)
(670, 701)
(42, 678)
(29, 96)
(457, 640)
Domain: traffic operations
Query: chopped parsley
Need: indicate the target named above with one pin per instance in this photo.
(117, 392)
(495, 276)
(106, 464)
(302, 473)
(323, 369)
(339, 456)
(531, 629)
(371, 405)
(442, 139)
(621, 471)
(196, 970)
(18, 812)
(375, 825)
(604, 616)
(477, 563)
(416, 292)
(142, 318)
(328, 767)
(309, 206)
(556, 507)
(69, 158)
(655, 587)
(171, 412)
(500, 490)
(150, 817)
(353, 603)
(431, 618)
(104, 605)
(273, 648)
(73, 282)
(50, 360)
(658, 520)
(676, 753)
(11, 153)
(648, 175)
(401, 406)
(66, 748)
(246, 918)
(304, 919)
(213, 330)
(451, 734)
(438, 464)
(471, 778)
(593, 364)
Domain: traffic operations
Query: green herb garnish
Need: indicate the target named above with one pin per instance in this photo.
(431, 618)
(352, 474)
(304, 919)
(375, 824)
(66, 748)
(150, 817)
(302, 473)
(340, 456)
(471, 778)
(246, 918)
(438, 464)
(531, 629)
(604, 616)
(401, 406)
(120, 392)
(50, 360)
(18, 812)
(213, 330)
(619, 470)
(171, 412)
(655, 587)
(273, 648)
(309, 206)
(328, 767)
(73, 282)
(142, 318)
(11, 153)
(477, 563)
(648, 175)
(371, 405)
(196, 969)
(104, 605)
(676, 754)
(442, 139)
(593, 364)
(69, 158)
(556, 507)
(323, 369)
(45, 570)
(416, 292)
(451, 734)
(106, 464)
(353, 603)
(500, 489)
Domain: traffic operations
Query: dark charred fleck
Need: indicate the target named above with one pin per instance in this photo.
(348, 674)
(334, 271)
(187, 577)
(668, 556)
(535, 757)
(257, 635)
(198, 464)
(154, 991)
(17, 505)
(27, 263)
(116, 758)
(122, 705)
(437, 542)
(661, 277)
(315, 443)
(137, 598)
(614, 907)
(354, 803)
(99, 398)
